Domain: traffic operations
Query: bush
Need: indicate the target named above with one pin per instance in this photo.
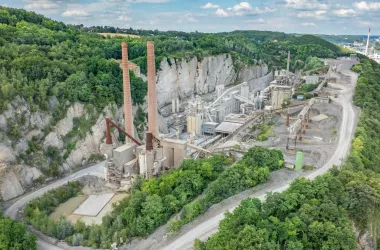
(253, 169)
(13, 235)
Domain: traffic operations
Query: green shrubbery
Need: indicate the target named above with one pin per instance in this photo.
(150, 204)
(305, 216)
(357, 68)
(37, 211)
(13, 235)
(252, 170)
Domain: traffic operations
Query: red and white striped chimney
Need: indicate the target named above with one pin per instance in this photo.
(152, 95)
(128, 117)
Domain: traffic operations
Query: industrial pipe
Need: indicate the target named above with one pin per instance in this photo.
(109, 122)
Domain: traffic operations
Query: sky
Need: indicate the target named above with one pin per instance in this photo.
(290, 16)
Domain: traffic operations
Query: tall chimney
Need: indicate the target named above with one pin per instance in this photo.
(152, 95)
(366, 48)
(288, 66)
(128, 119)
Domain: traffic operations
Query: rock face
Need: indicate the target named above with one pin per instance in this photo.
(182, 78)
(188, 78)
(13, 180)
(365, 239)
(10, 186)
(64, 126)
(93, 143)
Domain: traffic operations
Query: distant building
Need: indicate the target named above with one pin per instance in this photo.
(353, 56)
(312, 79)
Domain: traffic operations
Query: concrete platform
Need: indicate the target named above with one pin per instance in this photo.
(93, 205)
(319, 118)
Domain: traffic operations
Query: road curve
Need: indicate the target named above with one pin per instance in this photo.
(13, 210)
(347, 128)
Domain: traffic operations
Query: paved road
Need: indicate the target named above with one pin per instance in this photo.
(14, 209)
(210, 227)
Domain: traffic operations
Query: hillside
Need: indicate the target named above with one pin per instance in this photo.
(59, 81)
(342, 38)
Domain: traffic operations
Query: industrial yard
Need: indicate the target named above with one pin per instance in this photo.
(266, 112)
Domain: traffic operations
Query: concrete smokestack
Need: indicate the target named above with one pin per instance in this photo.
(128, 118)
(152, 95)
(366, 48)
(288, 66)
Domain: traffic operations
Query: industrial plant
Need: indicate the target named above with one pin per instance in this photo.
(223, 122)
(367, 48)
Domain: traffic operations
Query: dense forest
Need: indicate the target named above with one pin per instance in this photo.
(13, 235)
(319, 214)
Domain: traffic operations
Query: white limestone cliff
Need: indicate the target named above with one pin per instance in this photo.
(192, 77)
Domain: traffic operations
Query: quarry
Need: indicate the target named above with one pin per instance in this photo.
(198, 122)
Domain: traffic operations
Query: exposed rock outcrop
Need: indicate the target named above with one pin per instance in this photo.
(64, 126)
(187, 78)
(14, 180)
(7, 155)
(10, 186)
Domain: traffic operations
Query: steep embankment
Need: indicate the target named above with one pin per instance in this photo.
(39, 147)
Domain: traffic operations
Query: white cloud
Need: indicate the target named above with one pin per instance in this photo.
(43, 6)
(319, 14)
(75, 13)
(242, 9)
(152, 22)
(187, 18)
(368, 6)
(344, 12)
(210, 6)
(221, 12)
(365, 23)
(259, 20)
(309, 25)
(124, 18)
(305, 5)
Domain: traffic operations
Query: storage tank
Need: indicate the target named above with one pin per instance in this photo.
(299, 161)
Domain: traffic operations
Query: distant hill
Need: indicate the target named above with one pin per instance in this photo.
(338, 39)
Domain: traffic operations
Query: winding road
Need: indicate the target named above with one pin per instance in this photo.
(209, 227)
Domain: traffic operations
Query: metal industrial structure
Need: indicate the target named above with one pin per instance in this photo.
(125, 162)
(230, 111)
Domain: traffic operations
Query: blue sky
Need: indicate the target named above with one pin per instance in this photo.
(291, 16)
